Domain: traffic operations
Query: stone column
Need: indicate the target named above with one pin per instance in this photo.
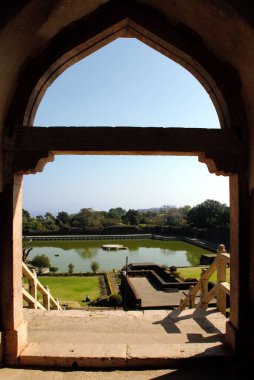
(252, 270)
(238, 328)
(11, 314)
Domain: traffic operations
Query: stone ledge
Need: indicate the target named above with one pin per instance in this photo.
(118, 339)
(74, 355)
(119, 355)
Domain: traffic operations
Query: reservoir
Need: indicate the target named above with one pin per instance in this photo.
(81, 253)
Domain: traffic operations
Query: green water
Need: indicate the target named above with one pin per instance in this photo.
(82, 252)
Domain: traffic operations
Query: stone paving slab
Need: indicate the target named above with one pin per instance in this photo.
(115, 338)
(150, 326)
(74, 355)
(175, 351)
(117, 355)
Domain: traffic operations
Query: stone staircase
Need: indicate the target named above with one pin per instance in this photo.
(119, 339)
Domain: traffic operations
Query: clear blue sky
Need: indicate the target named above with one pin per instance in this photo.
(125, 83)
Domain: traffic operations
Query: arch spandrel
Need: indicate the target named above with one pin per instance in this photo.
(127, 19)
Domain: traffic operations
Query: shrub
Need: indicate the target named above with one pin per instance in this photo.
(115, 300)
(70, 268)
(172, 269)
(41, 261)
(53, 269)
(94, 266)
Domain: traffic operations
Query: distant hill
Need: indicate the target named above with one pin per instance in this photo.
(164, 207)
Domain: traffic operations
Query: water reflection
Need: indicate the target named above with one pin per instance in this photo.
(192, 258)
(82, 253)
(87, 253)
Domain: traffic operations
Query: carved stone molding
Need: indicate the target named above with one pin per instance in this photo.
(32, 162)
(220, 150)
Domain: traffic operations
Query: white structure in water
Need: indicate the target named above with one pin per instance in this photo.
(113, 247)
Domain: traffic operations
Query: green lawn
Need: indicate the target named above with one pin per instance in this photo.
(72, 288)
(194, 272)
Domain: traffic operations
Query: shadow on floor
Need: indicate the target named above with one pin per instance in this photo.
(215, 373)
(199, 338)
(168, 325)
(205, 374)
(199, 316)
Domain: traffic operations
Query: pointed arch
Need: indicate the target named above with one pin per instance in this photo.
(114, 20)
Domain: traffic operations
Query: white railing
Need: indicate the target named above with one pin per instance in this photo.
(219, 291)
(34, 286)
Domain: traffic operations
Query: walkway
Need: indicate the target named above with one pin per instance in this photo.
(153, 297)
(114, 282)
(121, 339)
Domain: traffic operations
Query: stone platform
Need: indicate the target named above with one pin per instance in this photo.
(118, 339)
(154, 297)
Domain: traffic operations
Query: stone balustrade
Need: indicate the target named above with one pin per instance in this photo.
(34, 286)
(220, 290)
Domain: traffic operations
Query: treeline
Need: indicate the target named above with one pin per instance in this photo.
(207, 216)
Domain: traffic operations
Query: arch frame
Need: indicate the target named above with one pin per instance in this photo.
(132, 20)
(76, 41)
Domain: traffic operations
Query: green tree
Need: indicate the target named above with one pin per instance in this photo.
(94, 266)
(33, 224)
(174, 217)
(116, 213)
(62, 218)
(49, 221)
(53, 269)
(107, 222)
(27, 248)
(208, 214)
(70, 268)
(25, 219)
(83, 219)
(41, 261)
(131, 217)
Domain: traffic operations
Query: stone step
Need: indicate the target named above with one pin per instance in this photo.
(115, 338)
(113, 355)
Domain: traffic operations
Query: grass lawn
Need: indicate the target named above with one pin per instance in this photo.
(194, 272)
(72, 288)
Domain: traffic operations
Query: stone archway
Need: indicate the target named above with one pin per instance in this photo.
(28, 149)
(133, 20)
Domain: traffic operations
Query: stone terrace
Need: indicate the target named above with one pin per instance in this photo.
(118, 339)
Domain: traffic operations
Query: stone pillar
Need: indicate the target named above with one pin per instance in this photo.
(252, 269)
(11, 314)
(238, 328)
